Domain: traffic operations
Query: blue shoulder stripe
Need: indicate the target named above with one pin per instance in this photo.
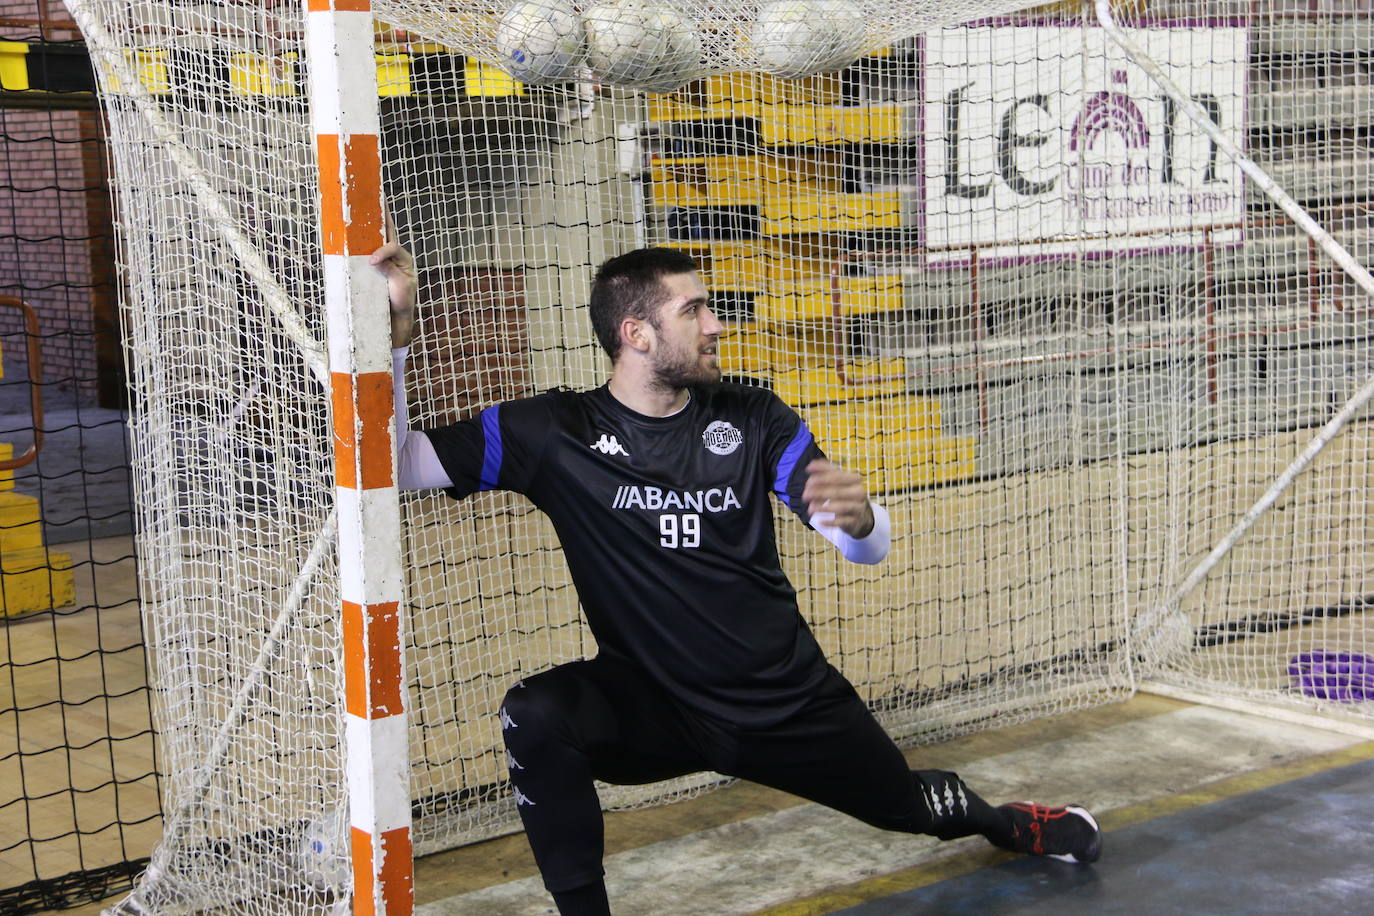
(491, 454)
(788, 462)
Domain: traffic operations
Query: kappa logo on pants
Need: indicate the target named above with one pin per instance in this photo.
(506, 720)
(934, 799)
(942, 804)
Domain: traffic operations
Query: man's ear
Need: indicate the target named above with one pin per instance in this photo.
(636, 334)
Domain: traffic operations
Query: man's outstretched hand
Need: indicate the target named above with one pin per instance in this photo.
(398, 266)
(832, 490)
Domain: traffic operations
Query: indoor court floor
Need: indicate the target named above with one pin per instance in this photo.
(1206, 810)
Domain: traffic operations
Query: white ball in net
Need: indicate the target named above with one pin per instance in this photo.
(541, 41)
(793, 38)
(642, 43)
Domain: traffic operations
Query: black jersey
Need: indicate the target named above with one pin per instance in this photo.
(667, 527)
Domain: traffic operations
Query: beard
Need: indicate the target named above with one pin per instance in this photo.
(682, 368)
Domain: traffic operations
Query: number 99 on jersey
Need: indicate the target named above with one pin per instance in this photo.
(676, 531)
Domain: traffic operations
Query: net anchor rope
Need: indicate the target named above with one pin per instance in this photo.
(1163, 629)
(271, 645)
(1324, 436)
(220, 219)
(1312, 716)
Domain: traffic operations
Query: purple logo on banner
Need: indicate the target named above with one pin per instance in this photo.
(1112, 112)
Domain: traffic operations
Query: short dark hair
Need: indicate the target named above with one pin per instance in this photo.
(627, 286)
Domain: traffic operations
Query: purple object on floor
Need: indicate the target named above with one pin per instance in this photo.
(1344, 676)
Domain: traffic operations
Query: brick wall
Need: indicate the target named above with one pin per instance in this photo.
(51, 162)
(56, 245)
(473, 349)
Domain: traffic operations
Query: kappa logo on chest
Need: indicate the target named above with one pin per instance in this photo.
(609, 445)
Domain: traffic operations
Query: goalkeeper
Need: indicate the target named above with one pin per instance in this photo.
(659, 485)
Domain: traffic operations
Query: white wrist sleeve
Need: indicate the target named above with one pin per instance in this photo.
(869, 549)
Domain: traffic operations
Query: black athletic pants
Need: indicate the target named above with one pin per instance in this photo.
(602, 719)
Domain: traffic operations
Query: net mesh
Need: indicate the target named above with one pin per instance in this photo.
(660, 46)
(993, 266)
(79, 808)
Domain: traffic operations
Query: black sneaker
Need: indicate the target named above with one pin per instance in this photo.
(1069, 834)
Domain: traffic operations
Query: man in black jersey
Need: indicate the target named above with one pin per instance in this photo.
(658, 484)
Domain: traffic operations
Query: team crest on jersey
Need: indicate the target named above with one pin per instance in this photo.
(720, 438)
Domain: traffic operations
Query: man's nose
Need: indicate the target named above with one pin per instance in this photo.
(710, 324)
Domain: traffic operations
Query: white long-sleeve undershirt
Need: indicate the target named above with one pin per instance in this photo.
(419, 468)
(417, 464)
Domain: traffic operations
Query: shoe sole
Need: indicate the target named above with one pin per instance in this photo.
(1094, 850)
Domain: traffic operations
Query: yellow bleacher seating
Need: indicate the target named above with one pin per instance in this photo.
(829, 211)
(812, 299)
(787, 124)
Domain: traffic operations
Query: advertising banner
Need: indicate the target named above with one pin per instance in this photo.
(1039, 137)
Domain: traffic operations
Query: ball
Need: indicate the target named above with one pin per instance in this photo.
(642, 43)
(541, 41)
(793, 38)
(322, 853)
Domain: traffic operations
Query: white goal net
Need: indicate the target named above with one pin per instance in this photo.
(993, 264)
